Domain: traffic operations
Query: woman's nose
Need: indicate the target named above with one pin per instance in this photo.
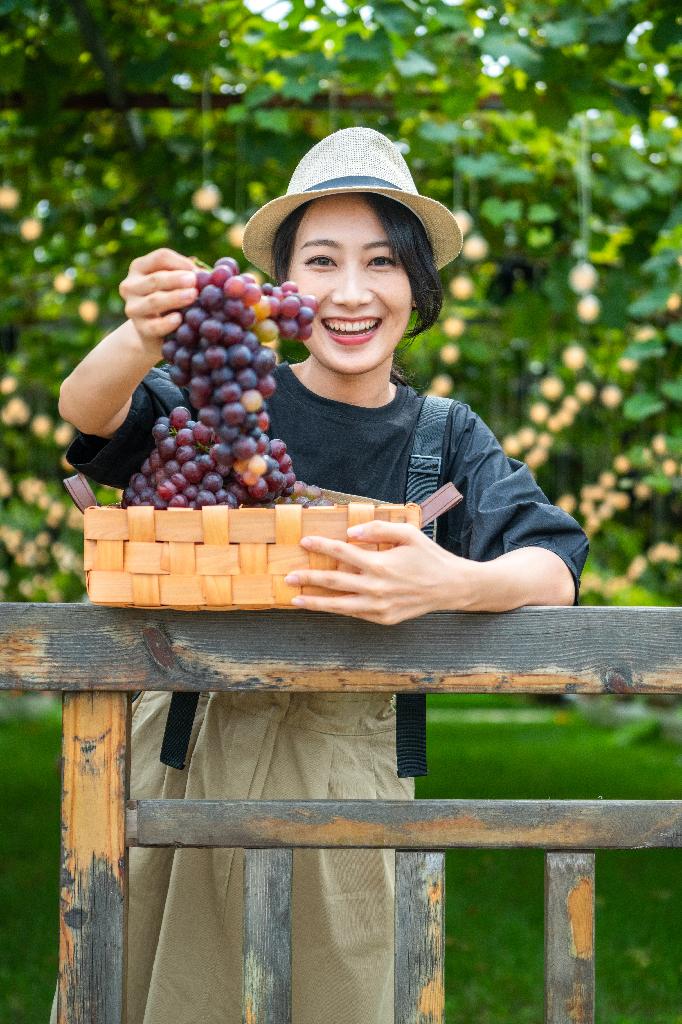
(351, 289)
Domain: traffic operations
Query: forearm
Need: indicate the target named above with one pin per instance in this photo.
(95, 397)
(526, 576)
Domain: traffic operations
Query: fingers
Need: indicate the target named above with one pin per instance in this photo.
(159, 326)
(160, 281)
(351, 605)
(158, 303)
(332, 579)
(380, 532)
(161, 259)
(353, 556)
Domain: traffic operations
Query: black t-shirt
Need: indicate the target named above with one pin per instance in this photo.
(366, 451)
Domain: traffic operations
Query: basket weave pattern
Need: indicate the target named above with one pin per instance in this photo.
(215, 558)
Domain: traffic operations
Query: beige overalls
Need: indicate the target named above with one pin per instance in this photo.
(185, 906)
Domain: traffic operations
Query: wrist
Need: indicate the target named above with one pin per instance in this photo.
(471, 577)
(460, 584)
(147, 350)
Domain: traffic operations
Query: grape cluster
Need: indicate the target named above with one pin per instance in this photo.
(225, 457)
(307, 495)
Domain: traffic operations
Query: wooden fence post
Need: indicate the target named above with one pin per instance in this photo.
(569, 938)
(93, 883)
(267, 937)
(419, 938)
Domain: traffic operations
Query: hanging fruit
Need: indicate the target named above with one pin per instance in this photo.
(574, 357)
(207, 197)
(462, 287)
(583, 278)
(475, 248)
(588, 308)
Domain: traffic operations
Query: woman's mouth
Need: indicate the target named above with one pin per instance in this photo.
(351, 332)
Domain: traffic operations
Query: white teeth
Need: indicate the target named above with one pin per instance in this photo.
(343, 327)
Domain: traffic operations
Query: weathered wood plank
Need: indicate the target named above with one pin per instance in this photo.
(92, 923)
(419, 988)
(267, 937)
(593, 650)
(569, 938)
(421, 824)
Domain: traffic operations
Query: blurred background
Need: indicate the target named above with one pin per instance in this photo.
(552, 131)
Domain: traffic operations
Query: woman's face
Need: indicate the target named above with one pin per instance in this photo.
(342, 256)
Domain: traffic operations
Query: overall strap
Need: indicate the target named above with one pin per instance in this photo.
(178, 731)
(423, 477)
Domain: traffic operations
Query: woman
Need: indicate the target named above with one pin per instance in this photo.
(352, 230)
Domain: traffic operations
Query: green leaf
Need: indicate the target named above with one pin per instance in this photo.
(514, 175)
(664, 184)
(660, 263)
(395, 18)
(674, 445)
(499, 44)
(649, 303)
(300, 90)
(452, 18)
(442, 133)
(273, 120)
(630, 197)
(541, 213)
(413, 64)
(659, 482)
(611, 27)
(564, 33)
(235, 114)
(485, 166)
(258, 94)
(497, 211)
(673, 389)
(639, 407)
(375, 50)
(674, 332)
(632, 165)
(642, 350)
(538, 238)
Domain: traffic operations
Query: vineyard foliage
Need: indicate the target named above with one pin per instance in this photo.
(551, 128)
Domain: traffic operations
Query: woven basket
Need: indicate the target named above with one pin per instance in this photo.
(215, 558)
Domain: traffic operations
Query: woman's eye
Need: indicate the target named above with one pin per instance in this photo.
(388, 260)
(315, 259)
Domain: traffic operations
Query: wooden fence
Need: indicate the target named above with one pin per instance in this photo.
(98, 656)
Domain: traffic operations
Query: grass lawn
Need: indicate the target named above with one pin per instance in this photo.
(494, 899)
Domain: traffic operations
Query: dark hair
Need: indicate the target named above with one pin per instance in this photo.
(411, 246)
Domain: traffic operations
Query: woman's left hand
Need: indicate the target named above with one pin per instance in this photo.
(412, 578)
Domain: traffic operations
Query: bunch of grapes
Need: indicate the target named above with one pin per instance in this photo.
(225, 457)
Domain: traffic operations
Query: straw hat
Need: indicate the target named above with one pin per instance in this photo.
(351, 160)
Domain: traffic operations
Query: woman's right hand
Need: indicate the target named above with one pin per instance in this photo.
(158, 283)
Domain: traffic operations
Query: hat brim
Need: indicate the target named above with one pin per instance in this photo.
(440, 223)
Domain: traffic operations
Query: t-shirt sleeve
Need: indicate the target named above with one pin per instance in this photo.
(113, 460)
(503, 508)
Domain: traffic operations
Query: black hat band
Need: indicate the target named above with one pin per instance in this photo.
(350, 180)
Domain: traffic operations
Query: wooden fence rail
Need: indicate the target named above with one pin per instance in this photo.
(85, 651)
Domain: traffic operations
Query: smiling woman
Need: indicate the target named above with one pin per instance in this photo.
(354, 232)
(364, 294)
(399, 250)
